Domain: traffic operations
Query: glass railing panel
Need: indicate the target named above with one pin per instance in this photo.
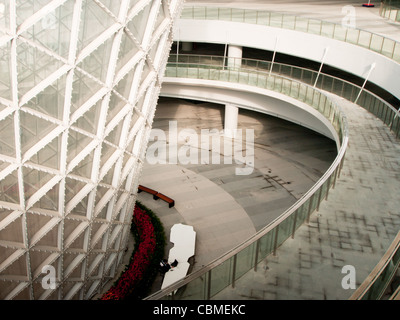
(322, 103)
(263, 18)
(197, 289)
(295, 90)
(266, 245)
(253, 79)
(263, 66)
(214, 74)
(326, 83)
(297, 73)
(244, 78)
(225, 14)
(285, 230)
(314, 201)
(393, 15)
(396, 52)
(187, 13)
(396, 257)
(270, 83)
(261, 81)
(276, 20)
(307, 77)
(286, 70)
(221, 276)
(364, 39)
(203, 74)
(245, 260)
(363, 98)
(388, 116)
(324, 190)
(315, 100)
(170, 72)
(237, 15)
(352, 35)
(340, 33)
(347, 91)
(388, 48)
(250, 16)
(182, 72)
(301, 24)
(212, 13)
(314, 26)
(376, 43)
(278, 83)
(396, 125)
(223, 75)
(381, 112)
(289, 22)
(302, 92)
(192, 73)
(301, 214)
(355, 36)
(193, 59)
(199, 13)
(309, 96)
(233, 76)
(337, 87)
(286, 86)
(327, 29)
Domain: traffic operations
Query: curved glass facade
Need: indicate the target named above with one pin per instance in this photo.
(79, 82)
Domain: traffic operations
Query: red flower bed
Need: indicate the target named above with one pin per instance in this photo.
(140, 260)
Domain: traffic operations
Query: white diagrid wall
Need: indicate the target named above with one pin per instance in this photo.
(79, 81)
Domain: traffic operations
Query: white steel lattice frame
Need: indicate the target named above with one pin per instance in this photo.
(75, 118)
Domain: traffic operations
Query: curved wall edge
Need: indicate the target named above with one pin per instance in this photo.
(342, 55)
(250, 98)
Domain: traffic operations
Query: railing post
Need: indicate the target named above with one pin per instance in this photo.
(256, 255)
(276, 239)
(234, 270)
(329, 186)
(294, 223)
(208, 296)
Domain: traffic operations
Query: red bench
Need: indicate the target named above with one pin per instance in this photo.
(157, 195)
(170, 201)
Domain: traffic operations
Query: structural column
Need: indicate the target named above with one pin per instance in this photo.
(234, 56)
(231, 120)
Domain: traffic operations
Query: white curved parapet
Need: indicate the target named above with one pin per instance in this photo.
(184, 239)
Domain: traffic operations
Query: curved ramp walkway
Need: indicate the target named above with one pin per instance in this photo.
(354, 227)
(219, 221)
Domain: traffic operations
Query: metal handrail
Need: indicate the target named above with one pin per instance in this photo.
(373, 286)
(384, 45)
(240, 66)
(390, 11)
